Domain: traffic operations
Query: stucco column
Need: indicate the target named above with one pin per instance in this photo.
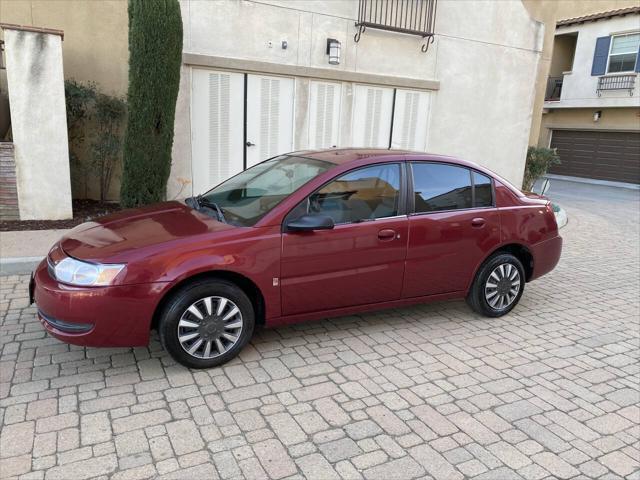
(38, 119)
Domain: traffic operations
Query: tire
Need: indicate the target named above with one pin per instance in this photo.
(497, 301)
(180, 328)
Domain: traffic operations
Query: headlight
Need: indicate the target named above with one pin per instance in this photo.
(74, 272)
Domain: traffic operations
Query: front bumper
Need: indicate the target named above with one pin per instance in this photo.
(116, 316)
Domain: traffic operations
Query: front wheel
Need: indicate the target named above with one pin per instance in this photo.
(498, 286)
(206, 323)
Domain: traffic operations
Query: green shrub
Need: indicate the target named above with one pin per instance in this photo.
(539, 160)
(155, 52)
(106, 147)
(79, 99)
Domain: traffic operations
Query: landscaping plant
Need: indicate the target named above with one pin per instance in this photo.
(539, 159)
(155, 50)
(79, 98)
(110, 114)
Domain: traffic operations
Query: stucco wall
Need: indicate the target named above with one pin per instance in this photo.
(617, 119)
(39, 123)
(95, 43)
(95, 48)
(579, 87)
(484, 57)
(549, 12)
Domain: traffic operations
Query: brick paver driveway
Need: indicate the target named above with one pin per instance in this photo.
(550, 391)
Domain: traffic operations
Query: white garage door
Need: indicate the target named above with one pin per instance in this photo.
(269, 117)
(217, 123)
(410, 120)
(372, 110)
(324, 114)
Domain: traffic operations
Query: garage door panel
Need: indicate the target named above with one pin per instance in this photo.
(601, 155)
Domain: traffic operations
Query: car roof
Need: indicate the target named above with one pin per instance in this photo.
(341, 156)
(344, 156)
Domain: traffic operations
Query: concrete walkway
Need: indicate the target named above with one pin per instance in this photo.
(21, 251)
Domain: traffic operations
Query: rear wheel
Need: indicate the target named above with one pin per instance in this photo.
(206, 323)
(498, 286)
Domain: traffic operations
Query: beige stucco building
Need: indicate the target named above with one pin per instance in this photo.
(471, 94)
(384, 92)
(592, 97)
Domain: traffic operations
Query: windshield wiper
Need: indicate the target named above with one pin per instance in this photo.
(203, 202)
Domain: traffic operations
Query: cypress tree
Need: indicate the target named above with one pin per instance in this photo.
(155, 55)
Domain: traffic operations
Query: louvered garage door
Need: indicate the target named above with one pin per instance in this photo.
(324, 114)
(613, 156)
(372, 107)
(269, 117)
(217, 122)
(410, 118)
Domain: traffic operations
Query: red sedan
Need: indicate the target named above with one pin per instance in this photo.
(298, 237)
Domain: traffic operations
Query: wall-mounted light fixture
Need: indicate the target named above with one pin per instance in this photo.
(333, 50)
(597, 115)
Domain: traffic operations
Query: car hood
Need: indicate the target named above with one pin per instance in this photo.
(117, 237)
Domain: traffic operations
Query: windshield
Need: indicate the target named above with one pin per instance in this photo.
(250, 195)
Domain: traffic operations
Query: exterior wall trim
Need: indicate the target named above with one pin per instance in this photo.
(590, 128)
(253, 66)
(29, 28)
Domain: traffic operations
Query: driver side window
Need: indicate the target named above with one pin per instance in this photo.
(364, 194)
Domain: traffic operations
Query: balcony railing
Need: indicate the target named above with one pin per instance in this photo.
(413, 17)
(616, 82)
(554, 89)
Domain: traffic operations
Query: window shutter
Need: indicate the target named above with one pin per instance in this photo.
(324, 114)
(600, 56)
(638, 60)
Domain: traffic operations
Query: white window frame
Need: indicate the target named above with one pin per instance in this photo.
(633, 69)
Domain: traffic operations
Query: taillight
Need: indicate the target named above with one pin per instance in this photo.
(549, 208)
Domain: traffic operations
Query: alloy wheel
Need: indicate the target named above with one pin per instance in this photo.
(210, 327)
(502, 286)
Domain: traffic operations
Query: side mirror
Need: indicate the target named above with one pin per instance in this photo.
(308, 223)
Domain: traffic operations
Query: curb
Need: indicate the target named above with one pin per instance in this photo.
(18, 265)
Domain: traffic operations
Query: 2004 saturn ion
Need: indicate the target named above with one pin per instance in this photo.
(301, 236)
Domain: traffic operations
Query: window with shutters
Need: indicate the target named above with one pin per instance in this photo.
(324, 114)
(623, 53)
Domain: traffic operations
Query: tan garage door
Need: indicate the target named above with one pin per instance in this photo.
(611, 156)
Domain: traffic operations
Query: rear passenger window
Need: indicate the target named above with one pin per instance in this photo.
(440, 187)
(483, 190)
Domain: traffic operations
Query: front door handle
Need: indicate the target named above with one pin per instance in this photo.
(478, 222)
(386, 235)
(250, 144)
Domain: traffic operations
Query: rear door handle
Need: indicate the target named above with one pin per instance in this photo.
(386, 234)
(478, 222)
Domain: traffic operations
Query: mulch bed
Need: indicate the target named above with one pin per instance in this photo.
(83, 211)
